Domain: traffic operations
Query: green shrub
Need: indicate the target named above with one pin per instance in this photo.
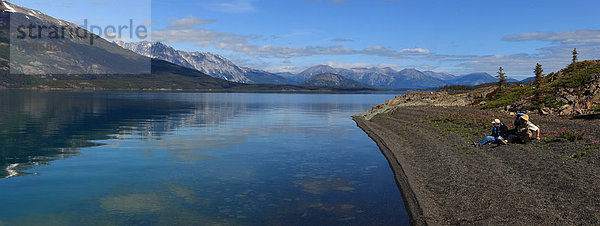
(579, 74)
(548, 100)
(567, 135)
(508, 96)
(578, 155)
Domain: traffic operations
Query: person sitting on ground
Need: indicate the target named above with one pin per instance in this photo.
(513, 134)
(519, 120)
(527, 131)
(499, 132)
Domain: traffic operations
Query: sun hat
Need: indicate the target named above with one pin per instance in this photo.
(496, 121)
(525, 117)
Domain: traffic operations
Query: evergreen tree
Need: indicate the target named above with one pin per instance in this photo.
(538, 75)
(575, 54)
(501, 78)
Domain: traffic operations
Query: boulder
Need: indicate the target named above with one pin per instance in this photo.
(560, 99)
(566, 106)
(518, 105)
(566, 111)
(545, 111)
(588, 105)
(571, 98)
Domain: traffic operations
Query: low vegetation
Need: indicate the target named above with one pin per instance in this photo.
(465, 88)
(565, 135)
(474, 126)
(548, 91)
(468, 125)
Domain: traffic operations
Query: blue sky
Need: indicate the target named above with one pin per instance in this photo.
(460, 36)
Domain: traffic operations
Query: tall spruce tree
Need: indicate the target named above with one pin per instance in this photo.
(538, 75)
(501, 77)
(575, 54)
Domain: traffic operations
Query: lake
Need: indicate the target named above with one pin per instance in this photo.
(192, 159)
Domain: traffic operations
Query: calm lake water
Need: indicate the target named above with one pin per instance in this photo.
(192, 159)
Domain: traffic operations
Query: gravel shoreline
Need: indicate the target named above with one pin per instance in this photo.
(445, 181)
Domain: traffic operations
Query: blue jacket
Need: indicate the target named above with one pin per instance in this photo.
(500, 131)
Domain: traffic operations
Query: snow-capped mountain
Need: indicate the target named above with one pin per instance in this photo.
(441, 75)
(390, 78)
(208, 63)
(76, 51)
(333, 80)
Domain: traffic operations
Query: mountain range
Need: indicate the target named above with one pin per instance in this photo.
(208, 63)
(334, 80)
(390, 78)
(385, 78)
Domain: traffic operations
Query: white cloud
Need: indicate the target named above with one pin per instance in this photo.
(338, 39)
(360, 65)
(553, 57)
(565, 37)
(200, 36)
(187, 23)
(231, 6)
(284, 68)
(388, 52)
(417, 51)
(522, 64)
(187, 30)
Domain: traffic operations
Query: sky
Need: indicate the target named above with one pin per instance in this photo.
(454, 36)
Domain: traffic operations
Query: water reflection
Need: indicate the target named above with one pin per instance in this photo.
(241, 159)
(36, 128)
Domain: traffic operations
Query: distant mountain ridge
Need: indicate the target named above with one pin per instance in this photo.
(332, 80)
(220, 67)
(390, 78)
(211, 64)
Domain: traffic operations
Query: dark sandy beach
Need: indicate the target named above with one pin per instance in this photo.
(444, 180)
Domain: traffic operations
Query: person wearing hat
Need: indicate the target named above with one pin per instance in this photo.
(513, 134)
(518, 120)
(527, 130)
(499, 132)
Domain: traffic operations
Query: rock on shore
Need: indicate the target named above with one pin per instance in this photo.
(427, 99)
